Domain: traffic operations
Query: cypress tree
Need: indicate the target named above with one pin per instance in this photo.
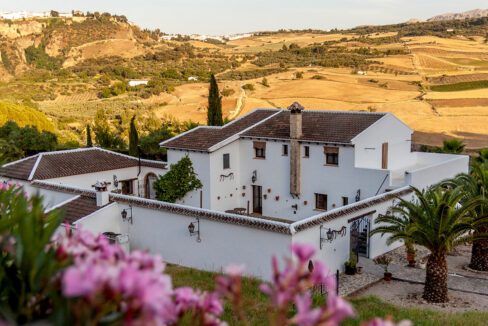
(214, 112)
(89, 142)
(133, 138)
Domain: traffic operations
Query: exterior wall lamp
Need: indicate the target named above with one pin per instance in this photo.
(191, 229)
(254, 176)
(124, 215)
(331, 235)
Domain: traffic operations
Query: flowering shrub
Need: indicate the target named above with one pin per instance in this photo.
(79, 279)
(383, 261)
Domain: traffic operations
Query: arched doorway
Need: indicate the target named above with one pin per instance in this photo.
(148, 185)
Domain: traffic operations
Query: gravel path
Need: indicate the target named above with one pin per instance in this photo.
(459, 279)
(410, 295)
(349, 284)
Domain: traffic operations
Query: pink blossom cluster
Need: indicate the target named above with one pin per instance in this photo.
(101, 273)
(293, 284)
(135, 283)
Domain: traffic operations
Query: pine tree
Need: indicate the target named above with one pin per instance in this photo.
(133, 138)
(214, 113)
(89, 142)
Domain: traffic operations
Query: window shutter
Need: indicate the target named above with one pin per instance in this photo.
(331, 150)
(260, 144)
(226, 161)
(384, 156)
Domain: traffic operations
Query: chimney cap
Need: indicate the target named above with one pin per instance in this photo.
(296, 108)
(101, 185)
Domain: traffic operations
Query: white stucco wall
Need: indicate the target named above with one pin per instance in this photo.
(226, 189)
(438, 167)
(221, 244)
(334, 254)
(388, 129)
(106, 219)
(334, 181)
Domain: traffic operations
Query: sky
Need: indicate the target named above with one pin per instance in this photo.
(220, 17)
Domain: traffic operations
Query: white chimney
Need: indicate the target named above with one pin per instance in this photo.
(101, 193)
(295, 134)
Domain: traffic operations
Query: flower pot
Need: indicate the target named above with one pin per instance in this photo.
(387, 276)
(349, 270)
(411, 259)
(359, 269)
(410, 256)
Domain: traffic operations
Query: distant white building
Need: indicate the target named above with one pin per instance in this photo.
(192, 78)
(137, 82)
(25, 14)
(270, 178)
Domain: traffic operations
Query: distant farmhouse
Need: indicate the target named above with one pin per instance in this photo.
(270, 178)
(137, 82)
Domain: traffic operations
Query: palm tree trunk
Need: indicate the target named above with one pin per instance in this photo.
(479, 253)
(435, 289)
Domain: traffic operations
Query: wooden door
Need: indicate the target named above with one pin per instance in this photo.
(257, 199)
(384, 156)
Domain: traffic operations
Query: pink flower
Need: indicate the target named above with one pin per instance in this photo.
(305, 316)
(303, 251)
(234, 270)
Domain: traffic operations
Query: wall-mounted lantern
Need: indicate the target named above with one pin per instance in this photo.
(254, 176)
(331, 235)
(124, 215)
(358, 195)
(191, 229)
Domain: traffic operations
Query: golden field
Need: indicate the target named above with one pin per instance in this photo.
(399, 84)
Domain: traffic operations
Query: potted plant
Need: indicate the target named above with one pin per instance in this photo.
(384, 261)
(410, 254)
(350, 265)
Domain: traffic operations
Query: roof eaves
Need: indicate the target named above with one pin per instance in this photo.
(299, 140)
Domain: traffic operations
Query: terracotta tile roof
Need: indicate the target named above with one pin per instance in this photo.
(322, 126)
(20, 169)
(72, 162)
(202, 138)
(78, 208)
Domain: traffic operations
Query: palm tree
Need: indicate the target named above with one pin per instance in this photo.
(436, 221)
(452, 146)
(475, 185)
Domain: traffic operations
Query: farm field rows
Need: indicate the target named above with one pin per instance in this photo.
(402, 84)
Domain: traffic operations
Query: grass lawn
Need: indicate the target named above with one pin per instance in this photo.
(255, 303)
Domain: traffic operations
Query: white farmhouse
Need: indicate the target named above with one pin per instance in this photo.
(137, 82)
(270, 178)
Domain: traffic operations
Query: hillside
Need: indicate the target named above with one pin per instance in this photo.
(24, 116)
(432, 75)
